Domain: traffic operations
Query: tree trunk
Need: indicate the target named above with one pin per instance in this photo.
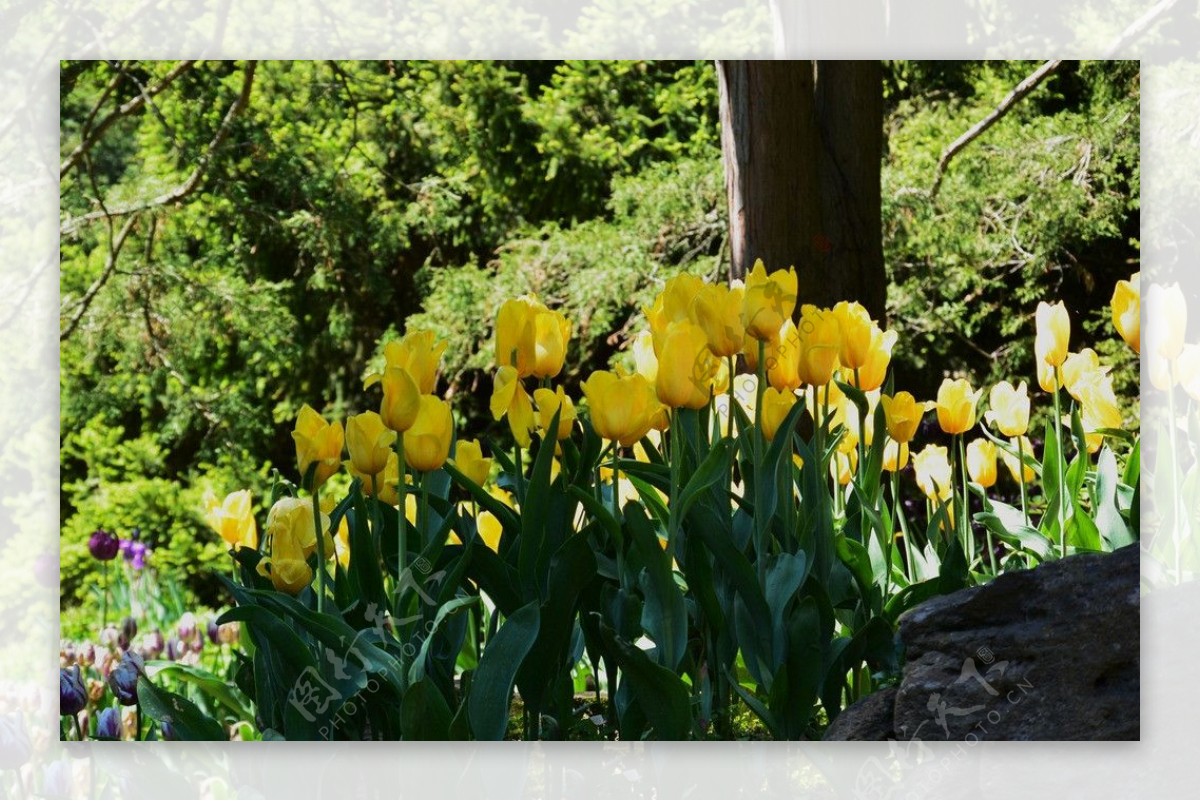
(803, 144)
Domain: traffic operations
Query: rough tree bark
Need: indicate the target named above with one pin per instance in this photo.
(803, 146)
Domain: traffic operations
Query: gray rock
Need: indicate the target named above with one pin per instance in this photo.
(1045, 654)
(868, 718)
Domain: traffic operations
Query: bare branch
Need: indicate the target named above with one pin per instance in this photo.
(193, 181)
(1138, 27)
(1023, 88)
(110, 264)
(91, 135)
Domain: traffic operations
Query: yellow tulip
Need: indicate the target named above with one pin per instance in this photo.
(873, 372)
(341, 537)
(769, 299)
(468, 458)
(981, 462)
(718, 310)
(672, 305)
(644, 360)
(903, 415)
(932, 467)
(369, 442)
(1127, 312)
(1098, 409)
(1166, 325)
(857, 333)
(317, 443)
(720, 380)
(419, 354)
(516, 335)
(549, 401)
(622, 408)
(895, 456)
(553, 332)
(956, 405)
(401, 399)
(783, 358)
(685, 367)
(1188, 370)
(387, 478)
(293, 536)
(845, 464)
(427, 442)
(776, 405)
(510, 398)
(232, 519)
(1010, 459)
(1081, 369)
(1009, 411)
(1053, 333)
(820, 345)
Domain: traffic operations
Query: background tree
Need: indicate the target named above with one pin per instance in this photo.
(802, 143)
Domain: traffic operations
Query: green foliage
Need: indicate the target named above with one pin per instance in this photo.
(1043, 206)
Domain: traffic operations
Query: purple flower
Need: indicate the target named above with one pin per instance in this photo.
(103, 545)
(124, 677)
(135, 553)
(72, 696)
(108, 725)
(214, 631)
(187, 626)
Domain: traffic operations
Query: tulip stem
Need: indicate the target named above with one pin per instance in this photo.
(78, 730)
(402, 529)
(732, 399)
(1062, 489)
(964, 510)
(898, 507)
(1174, 468)
(760, 537)
(311, 480)
(862, 427)
(520, 475)
(1021, 478)
(104, 595)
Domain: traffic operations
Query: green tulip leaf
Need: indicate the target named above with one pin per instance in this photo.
(491, 686)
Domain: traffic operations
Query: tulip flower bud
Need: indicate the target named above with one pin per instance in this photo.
(187, 626)
(369, 442)
(232, 519)
(820, 345)
(776, 405)
(109, 636)
(129, 629)
(427, 442)
(103, 546)
(124, 677)
(623, 408)
(108, 725)
(318, 443)
(932, 466)
(95, 690)
(551, 402)
(213, 631)
(468, 458)
(153, 644)
(718, 310)
(228, 633)
(1009, 410)
(857, 330)
(685, 367)
(1053, 334)
(87, 654)
(510, 399)
(903, 415)
(1127, 312)
(769, 299)
(72, 696)
(956, 405)
(981, 462)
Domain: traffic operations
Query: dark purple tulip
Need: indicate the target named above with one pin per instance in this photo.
(103, 545)
(173, 649)
(72, 696)
(124, 677)
(167, 730)
(214, 631)
(136, 554)
(108, 725)
(129, 629)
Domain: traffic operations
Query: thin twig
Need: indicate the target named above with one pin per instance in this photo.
(1023, 88)
(92, 135)
(193, 181)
